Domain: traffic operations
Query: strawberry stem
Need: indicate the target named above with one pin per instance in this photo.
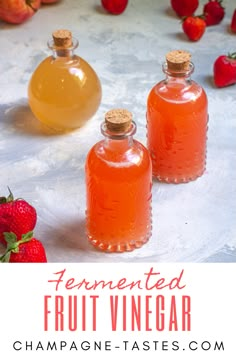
(232, 55)
(8, 199)
(29, 3)
(5, 258)
(13, 244)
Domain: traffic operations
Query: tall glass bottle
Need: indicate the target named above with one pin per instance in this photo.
(177, 116)
(64, 90)
(118, 182)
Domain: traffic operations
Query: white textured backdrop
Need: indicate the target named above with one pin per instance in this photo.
(194, 222)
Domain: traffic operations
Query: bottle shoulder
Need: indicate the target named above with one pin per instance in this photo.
(65, 75)
(119, 156)
(177, 91)
(75, 65)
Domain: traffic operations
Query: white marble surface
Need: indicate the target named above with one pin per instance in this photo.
(194, 222)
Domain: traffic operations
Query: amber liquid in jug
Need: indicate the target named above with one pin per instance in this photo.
(177, 116)
(118, 183)
(64, 91)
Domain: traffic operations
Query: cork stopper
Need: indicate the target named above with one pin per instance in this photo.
(118, 120)
(62, 38)
(178, 60)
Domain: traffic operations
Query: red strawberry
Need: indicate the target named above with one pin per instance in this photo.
(25, 250)
(16, 216)
(115, 7)
(213, 12)
(225, 70)
(233, 22)
(194, 27)
(184, 7)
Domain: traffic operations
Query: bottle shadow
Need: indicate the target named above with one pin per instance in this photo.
(19, 117)
(69, 236)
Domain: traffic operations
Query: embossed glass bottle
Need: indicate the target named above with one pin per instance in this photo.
(177, 116)
(118, 181)
(64, 90)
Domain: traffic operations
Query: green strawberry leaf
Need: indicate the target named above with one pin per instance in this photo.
(232, 55)
(13, 244)
(10, 237)
(26, 237)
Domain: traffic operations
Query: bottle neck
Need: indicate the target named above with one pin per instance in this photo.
(118, 141)
(178, 75)
(60, 52)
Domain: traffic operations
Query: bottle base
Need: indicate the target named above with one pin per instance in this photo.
(178, 179)
(59, 130)
(118, 247)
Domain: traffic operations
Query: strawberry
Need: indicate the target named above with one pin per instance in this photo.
(233, 22)
(115, 7)
(16, 216)
(184, 7)
(25, 250)
(225, 70)
(213, 12)
(194, 27)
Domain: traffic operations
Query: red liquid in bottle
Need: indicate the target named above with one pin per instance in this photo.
(177, 119)
(118, 180)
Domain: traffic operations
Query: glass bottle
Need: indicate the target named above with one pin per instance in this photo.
(118, 184)
(64, 90)
(177, 116)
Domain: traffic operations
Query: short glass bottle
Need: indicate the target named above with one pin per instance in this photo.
(177, 117)
(118, 184)
(64, 90)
